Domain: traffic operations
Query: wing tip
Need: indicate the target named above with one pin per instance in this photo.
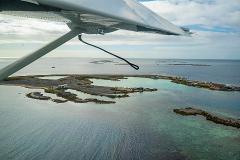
(181, 32)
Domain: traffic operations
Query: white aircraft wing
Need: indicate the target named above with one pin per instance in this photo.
(109, 15)
(86, 16)
(122, 14)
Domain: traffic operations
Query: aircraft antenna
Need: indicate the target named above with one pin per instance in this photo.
(131, 64)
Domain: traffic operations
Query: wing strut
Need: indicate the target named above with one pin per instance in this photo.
(26, 60)
(131, 64)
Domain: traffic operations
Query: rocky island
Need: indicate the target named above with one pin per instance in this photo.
(201, 84)
(102, 61)
(82, 83)
(209, 116)
(38, 95)
(189, 64)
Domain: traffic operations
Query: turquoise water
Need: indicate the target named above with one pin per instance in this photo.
(141, 126)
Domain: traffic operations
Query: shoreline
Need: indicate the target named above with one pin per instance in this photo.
(63, 87)
(60, 87)
(174, 79)
(83, 84)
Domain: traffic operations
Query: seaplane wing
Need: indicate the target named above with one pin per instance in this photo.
(86, 16)
(94, 16)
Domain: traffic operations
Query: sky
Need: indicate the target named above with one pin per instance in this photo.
(215, 24)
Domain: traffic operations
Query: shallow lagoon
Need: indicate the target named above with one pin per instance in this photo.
(141, 126)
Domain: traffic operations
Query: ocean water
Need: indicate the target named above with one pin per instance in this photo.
(142, 126)
(222, 71)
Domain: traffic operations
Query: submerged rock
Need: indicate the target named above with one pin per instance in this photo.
(59, 101)
(211, 117)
